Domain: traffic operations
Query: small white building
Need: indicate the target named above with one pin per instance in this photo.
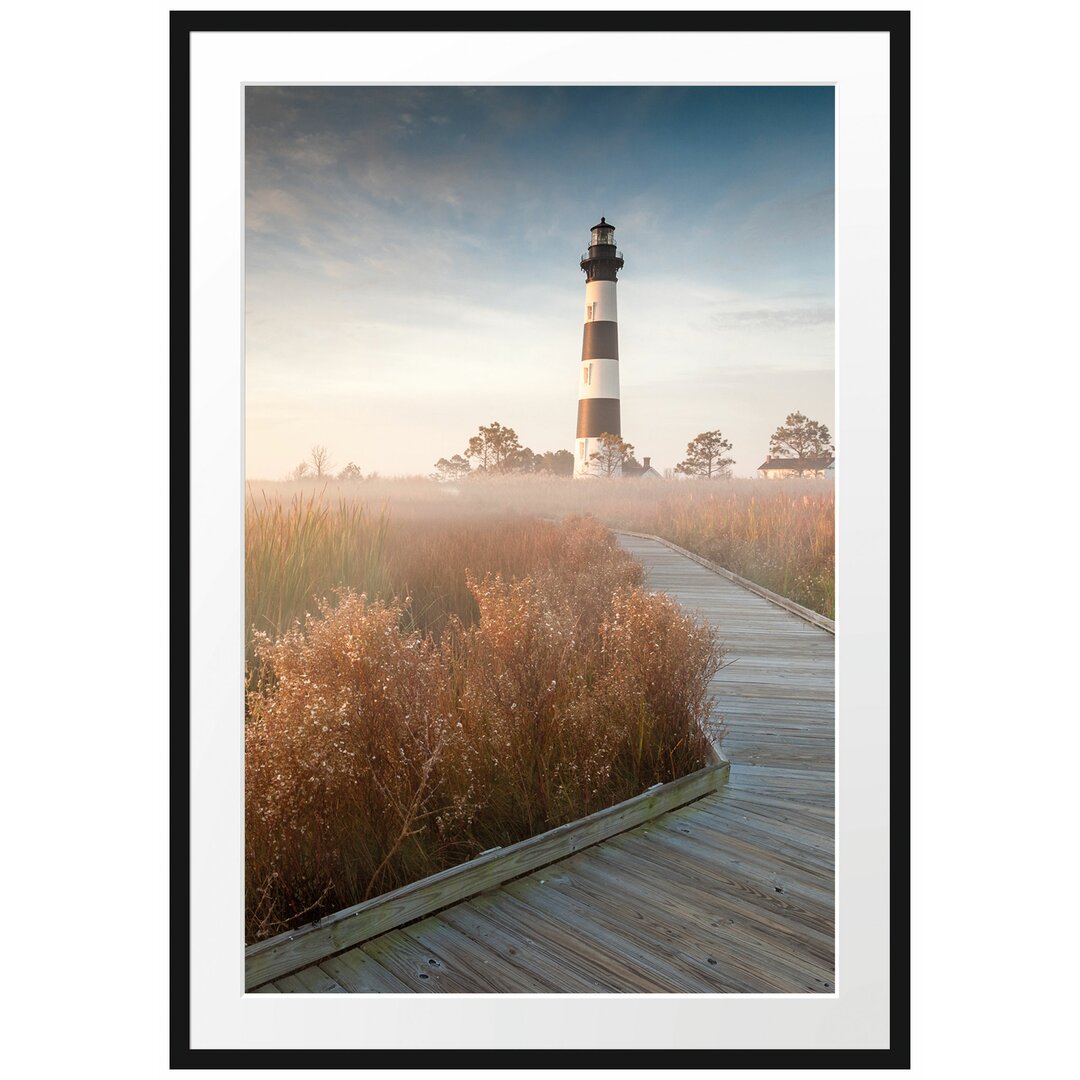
(775, 468)
(645, 471)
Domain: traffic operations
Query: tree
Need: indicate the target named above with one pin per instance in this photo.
(610, 454)
(557, 462)
(455, 468)
(350, 472)
(496, 448)
(299, 471)
(705, 456)
(525, 461)
(320, 461)
(805, 439)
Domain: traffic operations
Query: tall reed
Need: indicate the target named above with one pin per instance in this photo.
(777, 533)
(296, 551)
(377, 754)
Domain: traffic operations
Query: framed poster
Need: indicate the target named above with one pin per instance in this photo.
(328, 167)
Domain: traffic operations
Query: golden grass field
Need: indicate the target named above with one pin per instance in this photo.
(436, 670)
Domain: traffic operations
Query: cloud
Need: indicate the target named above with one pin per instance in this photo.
(412, 272)
(272, 209)
(775, 317)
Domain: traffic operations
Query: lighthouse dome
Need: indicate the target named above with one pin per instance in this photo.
(604, 233)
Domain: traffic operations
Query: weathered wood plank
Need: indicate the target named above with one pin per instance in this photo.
(484, 967)
(808, 825)
(417, 967)
(697, 956)
(676, 925)
(642, 969)
(806, 613)
(580, 955)
(816, 851)
(721, 903)
(310, 980)
(752, 865)
(267, 960)
(360, 974)
(752, 849)
(518, 950)
(726, 886)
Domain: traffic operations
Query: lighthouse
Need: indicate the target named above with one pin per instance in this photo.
(598, 379)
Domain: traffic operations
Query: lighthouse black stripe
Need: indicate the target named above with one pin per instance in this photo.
(601, 341)
(595, 416)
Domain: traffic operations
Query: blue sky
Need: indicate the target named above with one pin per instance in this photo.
(411, 265)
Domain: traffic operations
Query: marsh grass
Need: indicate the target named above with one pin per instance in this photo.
(382, 746)
(296, 550)
(781, 539)
(778, 533)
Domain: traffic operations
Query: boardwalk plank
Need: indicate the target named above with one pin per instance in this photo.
(360, 974)
(733, 892)
(685, 932)
(486, 967)
(309, 980)
(732, 909)
(730, 881)
(758, 867)
(420, 968)
(582, 954)
(609, 927)
(523, 954)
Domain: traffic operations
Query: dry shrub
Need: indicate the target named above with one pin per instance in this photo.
(377, 755)
(341, 751)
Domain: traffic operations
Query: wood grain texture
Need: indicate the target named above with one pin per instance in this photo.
(775, 598)
(359, 974)
(728, 891)
(280, 955)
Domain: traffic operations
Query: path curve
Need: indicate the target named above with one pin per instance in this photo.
(733, 893)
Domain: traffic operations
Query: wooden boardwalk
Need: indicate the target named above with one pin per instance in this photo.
(731, 893)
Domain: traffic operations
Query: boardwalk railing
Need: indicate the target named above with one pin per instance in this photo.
(295, 949)
(775, 598)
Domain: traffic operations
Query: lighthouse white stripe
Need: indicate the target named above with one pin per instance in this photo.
(598, 378)
(582, 451)
(600, 301)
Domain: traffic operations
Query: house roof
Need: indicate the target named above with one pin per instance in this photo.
(806, 464)
(639, 470)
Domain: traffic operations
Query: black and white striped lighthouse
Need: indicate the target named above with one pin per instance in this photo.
(598, 380)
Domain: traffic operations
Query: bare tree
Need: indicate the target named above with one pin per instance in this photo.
(611, 453)
(299, 471)
(320, 461)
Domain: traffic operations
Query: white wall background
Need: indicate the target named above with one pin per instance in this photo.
(85, 537)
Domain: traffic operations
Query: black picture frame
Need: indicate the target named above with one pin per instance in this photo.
(896, 24)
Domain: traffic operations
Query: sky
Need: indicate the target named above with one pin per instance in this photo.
(411, 266)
